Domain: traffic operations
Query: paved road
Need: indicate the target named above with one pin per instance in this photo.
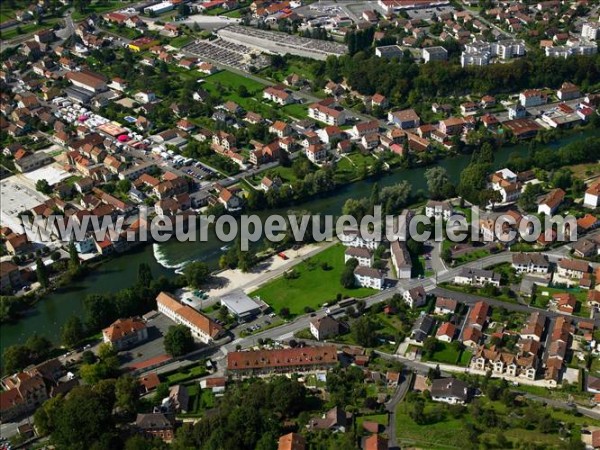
(470, 299)
(392, 405)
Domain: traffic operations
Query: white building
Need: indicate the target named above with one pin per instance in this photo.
(532, 97)
(449, 390)
(589, 30)
(401, 260)
(438, 209)
(592, 195)
(434, 54)
(477, 277)
(201, 326)
(352, 237)
(415, 297)
(530, 263)
(369, 277)
(363, 255)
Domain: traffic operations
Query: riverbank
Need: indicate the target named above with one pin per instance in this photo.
(119, 273)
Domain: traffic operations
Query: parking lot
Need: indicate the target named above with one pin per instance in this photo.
(153, 347)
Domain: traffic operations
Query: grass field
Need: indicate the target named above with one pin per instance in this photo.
(186, 374)
(97, 8)
(381, 419)
(448, 354)
(450, 432)
(28, 28)
(313, 286)
(181, 41)
(297, 110)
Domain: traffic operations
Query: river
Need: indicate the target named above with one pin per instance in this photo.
(50, 314)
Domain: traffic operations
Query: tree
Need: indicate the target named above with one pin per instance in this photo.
(124, 186)
(429, 345)
(42, 273)
(363, 331)
(43, 187)
(39, 346)
(528, 199)
(127, 394)
(243, 91)
(178, 340)
(437, 179)
(81, 420)
(16, 357)
(161, 392)
(446, 254)
(45, 415)
(73, 257)
(145, 275)
(347, 279)
(72, 332)
(196, 273)
(285, 312)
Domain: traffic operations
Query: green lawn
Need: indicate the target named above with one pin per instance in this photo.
(443, 435)
(313, 286)
(186, 374)
(181, 41)
(471, 256)
(448, 354)
(97, 8)
(447, 432)
(28, 28)
(232, 81)
(297, 110)
(381, 419)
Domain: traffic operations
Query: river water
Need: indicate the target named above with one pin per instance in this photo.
(50, 314)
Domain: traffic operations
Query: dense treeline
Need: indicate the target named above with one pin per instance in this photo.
(404, 82)
(578, 152)
(100, 310)
(249, 417)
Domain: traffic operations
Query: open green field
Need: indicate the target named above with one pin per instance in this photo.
(181, 41)
(313, 286)
(297, 110)
(27, 28)
(448, 354)
(96, 8)
(449, 432)
(233, 81)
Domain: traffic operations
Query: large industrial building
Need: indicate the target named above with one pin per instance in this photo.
(240, 305)
(281, 43)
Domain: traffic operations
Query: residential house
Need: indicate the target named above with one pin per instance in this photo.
(450, 390)
(404, 119)
(291, 441)
(551, 202)
(324, 112)
(363, 255)
(532, 97)
(446, 332)
(437, 209)
(369, 277)
(445, 305)
(125, 333)
(536, 263)
(335, 420)
(155, 425)
(564, 302)
(571, 268)
(477, 277)
(422, 328)
(415, 297)
(277, 95)
(281, 361)
(10, 277)
(324, 327)
(401, 259)
(592, 196)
